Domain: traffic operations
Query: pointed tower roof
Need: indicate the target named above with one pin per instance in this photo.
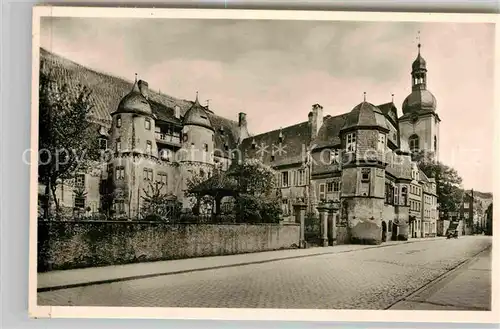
(420, 99)
(419, 63)
(365, 115)
(197, 116)
(134, 102)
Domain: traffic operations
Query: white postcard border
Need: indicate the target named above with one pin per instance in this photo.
(246, 313)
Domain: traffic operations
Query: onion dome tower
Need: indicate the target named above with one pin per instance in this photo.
(420, 121)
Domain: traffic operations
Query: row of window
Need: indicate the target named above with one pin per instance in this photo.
(147, 174)
(415, 190)
(147, 122)
(350, 145)
(329, 187)
(293, 178)
(415, 205)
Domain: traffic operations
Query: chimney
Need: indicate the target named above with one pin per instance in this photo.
(242, 124)
(242, 119)
(143, 88)
(177, 112)
(316, 120)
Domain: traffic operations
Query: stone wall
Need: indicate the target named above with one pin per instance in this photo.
(65, 245)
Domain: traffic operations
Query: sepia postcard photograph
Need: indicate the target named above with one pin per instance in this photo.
(278, 165)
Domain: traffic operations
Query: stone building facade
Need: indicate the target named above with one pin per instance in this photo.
(361, 159)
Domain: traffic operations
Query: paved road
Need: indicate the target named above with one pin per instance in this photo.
(366, 279)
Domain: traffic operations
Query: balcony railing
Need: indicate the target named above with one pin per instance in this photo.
(167, 138)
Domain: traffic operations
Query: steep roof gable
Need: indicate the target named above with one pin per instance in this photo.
(107, 92)
(291, 150)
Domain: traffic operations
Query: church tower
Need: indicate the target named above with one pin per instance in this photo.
(419, 124)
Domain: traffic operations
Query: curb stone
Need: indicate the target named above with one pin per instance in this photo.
(207, 268)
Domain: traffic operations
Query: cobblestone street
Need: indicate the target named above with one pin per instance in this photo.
(374, 278)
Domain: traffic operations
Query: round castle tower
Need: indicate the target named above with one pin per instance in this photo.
(132, 142)
(196, 155)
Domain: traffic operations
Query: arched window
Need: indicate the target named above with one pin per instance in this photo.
(414, 142)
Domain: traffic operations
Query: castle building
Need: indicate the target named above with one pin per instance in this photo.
(362, 158)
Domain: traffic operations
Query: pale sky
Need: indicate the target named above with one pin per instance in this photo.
(275, 70)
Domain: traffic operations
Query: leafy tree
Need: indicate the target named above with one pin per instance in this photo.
(258, 197)
(448, 183)
(67, 138)
(157, 204)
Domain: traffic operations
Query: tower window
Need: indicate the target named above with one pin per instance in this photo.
(162, 178)
(149, 147)
(322, 193)
(336, 186)
(414, 142)
(350, 142)
(404, 194)
(365, 175)
(119, 121)
(205, 147)
(120, 173)
(103, 143)
(381, 142)
(435, 143)
(147, 124)
(148, 174)
(118, 145)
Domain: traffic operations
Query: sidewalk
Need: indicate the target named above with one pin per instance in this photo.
(467, 287)
(107, 274)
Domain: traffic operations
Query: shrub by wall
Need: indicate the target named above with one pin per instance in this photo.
(65, 245)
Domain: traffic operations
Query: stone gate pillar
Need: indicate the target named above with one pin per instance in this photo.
(324, 209)
(300, 214)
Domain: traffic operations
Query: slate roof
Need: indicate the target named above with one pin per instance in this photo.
(108, 91)
(328, 134)
(365, 114)
(295, 141)
(197, 115)
(419, 63)
(419, 100)
(134, 102)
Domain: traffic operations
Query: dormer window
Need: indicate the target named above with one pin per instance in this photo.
(226, 147)
(221, 130)
(147, 124)
(253, 144)
(280, 137)
(119, 121)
